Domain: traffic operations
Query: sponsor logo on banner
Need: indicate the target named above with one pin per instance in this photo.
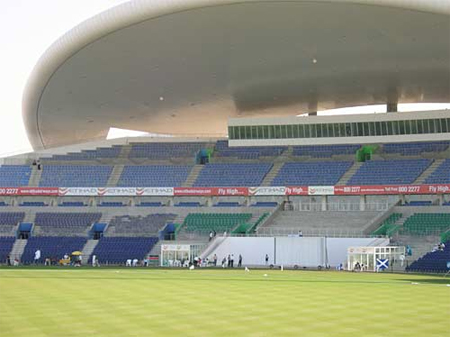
(231, 191)
(78, 191)
(267, 190)
(28, 191)
(320, 190)
(297, 190)
(192, 191)
(155, 191)
(117, 191)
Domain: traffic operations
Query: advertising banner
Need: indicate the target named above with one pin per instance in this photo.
(155, 191)
(43, 191)
(297, 190)
(267, 190)
(320, 190)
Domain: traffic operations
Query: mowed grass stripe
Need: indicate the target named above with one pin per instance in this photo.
(145, 302)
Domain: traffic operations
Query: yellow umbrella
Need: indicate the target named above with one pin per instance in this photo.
(76, 253)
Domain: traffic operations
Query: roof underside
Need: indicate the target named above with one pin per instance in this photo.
(185, 68)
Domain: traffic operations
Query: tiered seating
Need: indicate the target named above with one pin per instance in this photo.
(419, 203)
(232, 175)
(111, 204)
(311, 173)
(427, 223)
(154, 176)
(126, 225)
(14, 175)
(150, 204)
(10, 219)
(188, 204)
(116, 250)
(227, 204)
(408, 149)
(385, 172)
(433, 262)
(6, 245)
(219, 222)
(265, 204)
(65, 224)
(388, 226)
(441, 175)
(325, 151)
(33, 204)
(72, 204)
(54, 247)
(75, 176)
(99, 153)
(246, 152)
(165, 150)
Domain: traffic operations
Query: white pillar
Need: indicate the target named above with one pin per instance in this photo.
(362, 202)
(324, 202)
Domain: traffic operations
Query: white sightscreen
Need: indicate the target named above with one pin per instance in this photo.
(301, 251)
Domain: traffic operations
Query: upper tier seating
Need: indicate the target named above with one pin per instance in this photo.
(427, 223)
(388, 226)
(219, 222)
(139, 225)
(117, 250)
(65, 224)
(441, 175)
(99, 153)
(154, 176)
(14, 175)
(10, 219)
(311, 173)
(389, 172)
(54, 247)
(6, 245)
(75, 176)
(433, 262)
(246, 152)
(325, 151)
(232, 175)
(410, 149)
(165, 150)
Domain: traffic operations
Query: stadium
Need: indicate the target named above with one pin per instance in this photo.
(242, 208)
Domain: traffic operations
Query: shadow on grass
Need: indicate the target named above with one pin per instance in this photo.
(438, 280)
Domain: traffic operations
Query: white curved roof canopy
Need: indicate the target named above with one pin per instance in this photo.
(186, 66)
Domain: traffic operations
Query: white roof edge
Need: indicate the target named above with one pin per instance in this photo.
(137, 11)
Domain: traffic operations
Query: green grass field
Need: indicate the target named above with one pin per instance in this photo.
(155, 302)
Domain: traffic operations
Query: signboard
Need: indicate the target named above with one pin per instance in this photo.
(42, 191)
(175, 248)
(320, 190)
(269, 190)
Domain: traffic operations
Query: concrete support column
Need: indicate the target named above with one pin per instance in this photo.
(441, 199)
(324, 202)
(402, 199)
(247, 201)
(170, 203)
(362, 202)
(209, 202)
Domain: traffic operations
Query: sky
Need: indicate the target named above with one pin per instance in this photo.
(27, 29)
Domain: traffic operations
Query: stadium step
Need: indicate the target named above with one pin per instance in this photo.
(192, 177)
(347, 175)
(88, 249)
(425, 174)
(35, 177)
(272, 174)
(18, 249)
(115, 175)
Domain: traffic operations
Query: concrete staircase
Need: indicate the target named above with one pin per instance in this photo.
(18, 249)
(115, 175)
(425, 174)
(125, 151)
(272, 174)
(350, 172)
(88, 249)
(35, 177)
(192, 177)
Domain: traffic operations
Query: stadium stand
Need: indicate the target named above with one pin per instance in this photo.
(154, 176)
(6, 245)
(33, 204)
(388, 226)
(116, 250)
(8, 220)
(126, 225)
(232, 175)
(75, 175)
(432, 262)
(99, 153)
(165, 150)
(385, 172)
(54, 247)
(64, 224)
(411, 149)
(247, 152)
(14, 175)
(325, 151)
(72, 204)
(441, 175)
(219, 222)
(427, 223)
(311, 173)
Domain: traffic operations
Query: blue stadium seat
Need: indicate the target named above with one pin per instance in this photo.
(154, 176)
(116, 250)
(75, 175)
(52, 247)
(14, 175)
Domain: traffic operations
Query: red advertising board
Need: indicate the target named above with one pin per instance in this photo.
(392, 189)
(28, 191)
(297, 190)
(210, 191)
